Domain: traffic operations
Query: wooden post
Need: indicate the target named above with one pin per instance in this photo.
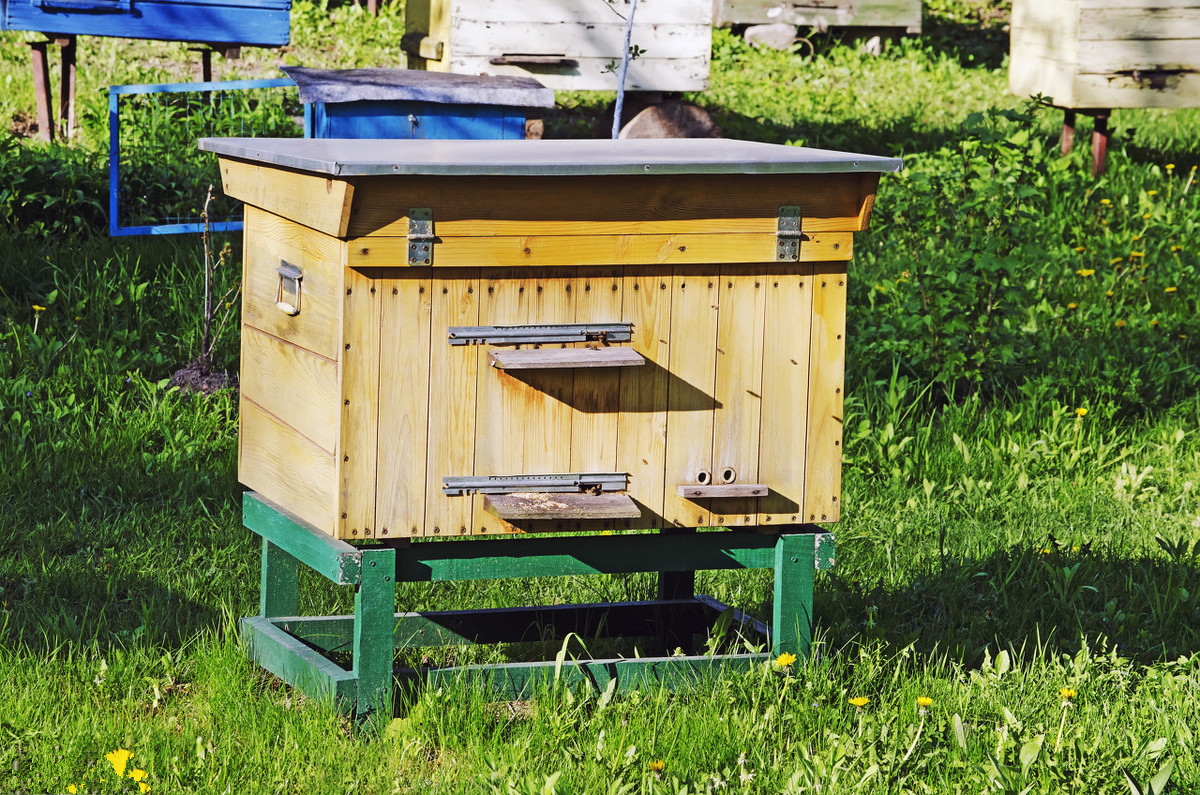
(66, 87)
(279, 586)
(791, 612)
(1100, 139)
(1068, 131)
(374, 642)
(41, 89)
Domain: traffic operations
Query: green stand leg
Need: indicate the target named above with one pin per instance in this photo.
(279, 589)
(374, 625)
(791, 619)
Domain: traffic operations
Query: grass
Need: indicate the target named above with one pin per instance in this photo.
(1021, 537)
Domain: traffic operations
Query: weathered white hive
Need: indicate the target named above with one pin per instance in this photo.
(1107, 53)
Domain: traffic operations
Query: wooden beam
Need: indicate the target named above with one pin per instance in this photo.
(533, 506)
(564, 358)
(722, 491)
(41, 89)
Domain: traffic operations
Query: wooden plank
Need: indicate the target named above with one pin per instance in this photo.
(335, 560)
(597, 74)
(565, 358)
(690, 401)
(298, 387)
(1107, 57)
(358, 447)
(1135, 4)
(604, 38)
(722, 491)
(265, 25)
(738, 391)
(286, 468)
(580, 250)
(841, 13)
(315, 201)
(642, 398)
(1122, 91)
(605, 12)
(452, 376)
(783, 436)
(270, 240)
(468, 206)
(827, 367)
(546, 414)
(406, 314)
(525, 507)
(596, 393)
(499, 435)
(1141, 23)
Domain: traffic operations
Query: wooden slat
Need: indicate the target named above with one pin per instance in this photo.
(812, 13)
(452, 386)
(286, 468)
(739, 491)
(504, 299)
(548, 507)
(597, 74)
(546, 415)
(295, 385)
(358, 447)
(584, 11)
(465, 206)
(565, 358)
(690, 389)
(1107, 57)
(823, 482)
(403, 402)
(1122, 91)
(1141, 23)
(642, 401)
(599, 294)
(269, 240)
(309, 199)
(783, 435)
(601, 39)
(583, 249)
(738, 392)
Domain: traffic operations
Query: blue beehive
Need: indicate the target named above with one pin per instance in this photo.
(406, 104)
(264, 23)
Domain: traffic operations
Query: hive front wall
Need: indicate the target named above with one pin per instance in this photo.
(354, 410)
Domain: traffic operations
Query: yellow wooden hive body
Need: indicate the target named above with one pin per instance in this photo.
(356, 408)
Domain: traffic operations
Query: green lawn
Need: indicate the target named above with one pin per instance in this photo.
(1017, 587)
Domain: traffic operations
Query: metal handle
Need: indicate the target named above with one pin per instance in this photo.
(289, 289)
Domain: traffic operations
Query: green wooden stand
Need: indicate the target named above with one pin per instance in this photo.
(294, 647)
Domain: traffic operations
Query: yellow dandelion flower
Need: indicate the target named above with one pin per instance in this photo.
(1170, 166)
(1177, 248)
(924, 701)
(1105, 202)
(1085, 272)
(1170, 289)
(1109, 293)
(1136, 238)
(1080, 249)
(1145, 216)
(1047, 551)
(1067, 693)
(119, 759)
(143, 786)
(1134, 254)
(859, 701)
(39, 309)
(786, 659)
(1151, 193)
(1154, 322)
(1115, 260)
(1081, 412)
(658, 766)
(72, 789)
(1072, 305)
(1120, 324)
(137, 774)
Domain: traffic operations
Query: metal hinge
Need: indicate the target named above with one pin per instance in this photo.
(788, 232)
(420, 236)
(563, 483)
(541, 334)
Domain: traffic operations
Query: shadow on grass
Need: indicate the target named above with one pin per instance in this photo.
(1049, 600)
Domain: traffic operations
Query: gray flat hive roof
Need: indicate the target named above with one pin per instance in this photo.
(357, 85)
(366, 157)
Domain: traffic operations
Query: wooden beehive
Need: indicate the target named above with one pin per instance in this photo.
(658, 325)
(1107, 53)
(571, 45)
(821, 14)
